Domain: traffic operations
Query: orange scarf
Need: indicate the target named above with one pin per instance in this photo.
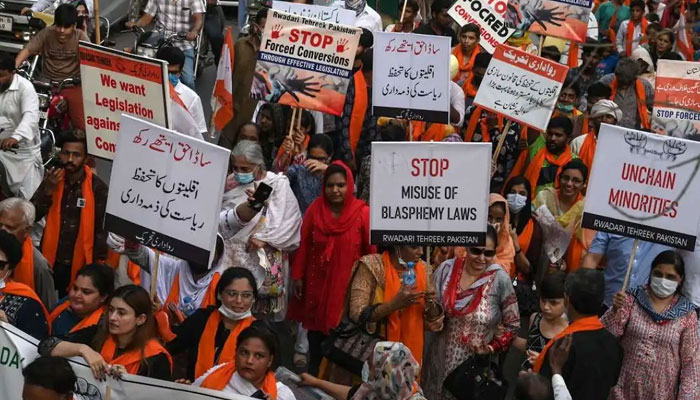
(474, 119)
(435, 132)
(584, 324)
(629, 38)
(133, 271)
(587, 151)
(22, 290)
(406, 325)
(572, 61)
(131, 360)
(208, 300)
(218, 380)
(641, 101)
(82, 254)
(526, 236)
(359, 109)
(532, 173)
(207, 348)
(611, 26)
(88, 321)
(24, 272)
(467, 86)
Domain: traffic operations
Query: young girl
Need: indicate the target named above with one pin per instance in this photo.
(547, 323)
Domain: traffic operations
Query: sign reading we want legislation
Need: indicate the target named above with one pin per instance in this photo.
(644, 186)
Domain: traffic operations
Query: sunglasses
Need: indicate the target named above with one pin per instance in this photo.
(477, 251)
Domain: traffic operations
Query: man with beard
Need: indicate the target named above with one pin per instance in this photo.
(20, 154)
(633, 95)
(604, 111)
(73, 201)
(542, 162)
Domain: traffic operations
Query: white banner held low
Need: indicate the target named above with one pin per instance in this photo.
(411, 77)
(644, 186)
(165, 190)
(491, 20)
(429, 193)
(114, 82)
(18, 349)
(521, 86)
(335, 15)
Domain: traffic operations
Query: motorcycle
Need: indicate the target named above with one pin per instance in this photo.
(147, 44)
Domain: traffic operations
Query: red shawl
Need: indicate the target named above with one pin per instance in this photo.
(326, 271)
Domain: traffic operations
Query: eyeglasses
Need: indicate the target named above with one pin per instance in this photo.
(242, 295)
(477, 251)
(566, 179)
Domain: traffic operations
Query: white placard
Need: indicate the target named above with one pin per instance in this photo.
(165, 190)
(18, 349)
(115, 83)
(331, 14)
(488, 15)
(411, 77)
(430, 193)
(521, 86)
(644, 186)
(677, 98)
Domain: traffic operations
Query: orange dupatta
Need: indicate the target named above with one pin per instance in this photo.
(641, 101)
(131, 360)
(467, 86)
(359, 109)
(629, 37)
(584, 324)
(532, 173)
(474, 119)
(90, 320)
(207, 348)
(406, 325)
(220, 377)
(572, 61)
(82, 253)
(524, 241)
(22, 290)
(587, 151)
(436, 132)
(24, 272)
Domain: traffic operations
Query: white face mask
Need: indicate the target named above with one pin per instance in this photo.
(516, 202)
(663, 287)
(236, 316)
(3, 279)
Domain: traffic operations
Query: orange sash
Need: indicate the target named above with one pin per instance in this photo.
(584, 324)
(131, 360)
(629, 38)
(641, 101)
(467, 86)
(207, 348)
(611, 26)
(474, 119)
(359, 109)
(572, 61)
(82, 254)
(133, 271)
(405, 325)
(24, 273)
(532, 173)
(526, 236)
(218, 380)
(208, 300)
(435, 132)
(587, 151)
(88, 321)
(22, 290)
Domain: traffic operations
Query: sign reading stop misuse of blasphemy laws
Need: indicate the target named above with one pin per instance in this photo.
(644, 186)
(429, 193)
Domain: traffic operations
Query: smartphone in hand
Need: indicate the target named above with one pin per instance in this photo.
(262, 193)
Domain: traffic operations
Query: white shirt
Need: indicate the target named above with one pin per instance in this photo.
(577, 143)
(457, 102)
(561, 392)
(193, 104)
(369, 19)
(238, 385)
(42, 5)
(621, 38)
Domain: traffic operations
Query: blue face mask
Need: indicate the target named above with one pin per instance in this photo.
(244, 178)
(174, 79)
(565, 108)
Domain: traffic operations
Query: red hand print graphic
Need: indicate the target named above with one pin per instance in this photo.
(341, 45)
(276, 32)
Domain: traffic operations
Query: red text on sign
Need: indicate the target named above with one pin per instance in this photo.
(429, 166)
(312, 38)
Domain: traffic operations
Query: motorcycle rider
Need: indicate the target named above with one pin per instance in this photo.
(58, 46)
(19, 131)
(173, 17)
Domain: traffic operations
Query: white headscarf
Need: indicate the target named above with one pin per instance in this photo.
(606, 107)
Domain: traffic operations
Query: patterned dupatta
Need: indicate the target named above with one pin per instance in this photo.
(678, 309)
(465, 303)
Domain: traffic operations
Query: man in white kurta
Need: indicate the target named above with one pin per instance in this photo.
(20, 152)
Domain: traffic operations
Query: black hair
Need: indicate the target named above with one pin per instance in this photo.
(532, 386)
(262, 14)
(482, 60)
(439, 6)
(599, 89)
(412, 4)
(470, 27)
(552, 285)
(367, 61)
(526, 213)
(334, 169)
(230, 275)
(308, 122)
(392, 133)
(7, 62)
(585, 289)
(11, 247)
(260, 329)
(366, 39)
(321, 140)
(552, 53)
(638, 4)
(563, 123)
(66, 15)
(101, 275)
(576, 164)
(571, 82)
(172, 55)
(653, 18)
(673, 258)
(655, 26)
(53, 373)
(590, 46)
(71, 137)
(253, 124)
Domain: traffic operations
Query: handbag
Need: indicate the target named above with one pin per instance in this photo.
(526, 293)
(350, 345)
(477, 378)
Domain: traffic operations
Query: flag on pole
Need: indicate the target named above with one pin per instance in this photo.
(222, 98)
(182, 119)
